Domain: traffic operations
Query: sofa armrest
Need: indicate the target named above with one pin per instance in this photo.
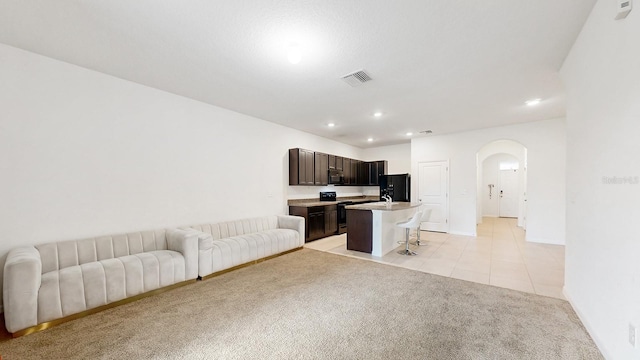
(205, 251)
(21, 283)
(294, 223)
(186, 243)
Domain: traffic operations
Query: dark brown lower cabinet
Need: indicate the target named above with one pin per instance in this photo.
(330, 220)
(316, 223)
(360, 230)
(320, 221)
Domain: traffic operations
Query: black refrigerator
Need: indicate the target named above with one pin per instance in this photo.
(397, 186)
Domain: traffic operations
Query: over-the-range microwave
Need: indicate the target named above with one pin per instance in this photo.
(336, 176)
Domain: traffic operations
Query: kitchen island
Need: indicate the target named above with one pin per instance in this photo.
(371, 228)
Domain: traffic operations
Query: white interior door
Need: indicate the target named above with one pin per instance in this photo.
(433, 191)
(508, 193)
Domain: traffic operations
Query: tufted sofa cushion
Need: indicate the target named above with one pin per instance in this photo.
(77, 288)
(59, 255)
(55, 280)
(239, 227)
(224, 245)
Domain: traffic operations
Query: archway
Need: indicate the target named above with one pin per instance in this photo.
(503, 164)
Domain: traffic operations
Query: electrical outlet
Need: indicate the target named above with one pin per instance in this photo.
(632, 335)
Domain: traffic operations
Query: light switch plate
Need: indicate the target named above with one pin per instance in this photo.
(624, 7)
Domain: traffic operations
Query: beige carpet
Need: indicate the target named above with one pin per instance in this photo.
(315, 305)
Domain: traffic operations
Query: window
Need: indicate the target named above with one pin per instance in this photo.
(508, 165)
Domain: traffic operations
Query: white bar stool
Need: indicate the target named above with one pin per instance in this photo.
(413, 223)
(426, 214)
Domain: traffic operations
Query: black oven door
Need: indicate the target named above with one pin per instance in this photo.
(342, 216)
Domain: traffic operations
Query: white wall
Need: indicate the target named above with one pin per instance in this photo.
(398, 156)
(602, 79)
(85, 154)
(545, 141)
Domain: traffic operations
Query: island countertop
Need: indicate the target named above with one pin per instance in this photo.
(395, 206)
(316, 202)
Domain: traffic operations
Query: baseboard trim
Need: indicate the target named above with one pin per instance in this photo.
(49, 324)
(587, 325)
(218, 273)
(543, 241)
(462, 233)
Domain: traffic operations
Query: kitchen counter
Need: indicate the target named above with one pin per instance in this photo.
(315, 202)
(324, 218)
(371, 228)
(383, 206)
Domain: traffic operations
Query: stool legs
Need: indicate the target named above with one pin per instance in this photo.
(418, 243)
(406, 250)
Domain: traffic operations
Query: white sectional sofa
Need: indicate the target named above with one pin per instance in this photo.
(48, 283)
(231, 244)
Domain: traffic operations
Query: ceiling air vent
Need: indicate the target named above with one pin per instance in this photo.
(357, 78)
(426, 132)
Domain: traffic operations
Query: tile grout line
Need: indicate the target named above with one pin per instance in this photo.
(491, 254)
(524, 262)
(460, 257)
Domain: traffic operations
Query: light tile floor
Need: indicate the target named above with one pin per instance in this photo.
(498, 256)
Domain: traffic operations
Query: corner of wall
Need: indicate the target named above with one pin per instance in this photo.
(590, 329)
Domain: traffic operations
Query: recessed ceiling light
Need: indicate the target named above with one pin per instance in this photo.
(533, 102)
(377, 114)
(331, 124)
(294, 53)
(409, 133)
(370, 139)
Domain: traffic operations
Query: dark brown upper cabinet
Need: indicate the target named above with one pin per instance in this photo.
(321, 169)
(339, 163)
(377, 168)
(346, 171)
(312, 168)
(355, 170)
(370, 171)
(301, 167)
(373, 173)
(363, 172)
(332, 161)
